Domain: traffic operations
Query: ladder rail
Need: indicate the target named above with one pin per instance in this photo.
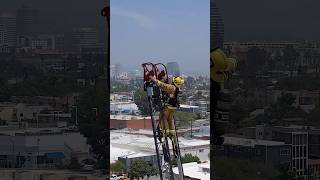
(165, 160)
(179, 162)
(166, 150)
(149, 92)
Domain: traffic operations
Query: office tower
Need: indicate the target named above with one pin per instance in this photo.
(173, 68)
(8, 30)
(216, 26)
(27, 21)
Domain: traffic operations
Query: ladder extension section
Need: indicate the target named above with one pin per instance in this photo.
(168, 155)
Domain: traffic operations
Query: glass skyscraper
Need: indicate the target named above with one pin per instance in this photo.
(216, 26)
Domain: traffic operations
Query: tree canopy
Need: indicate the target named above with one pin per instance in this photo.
(140, 169)
(117, 166)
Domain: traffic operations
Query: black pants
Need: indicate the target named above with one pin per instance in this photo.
(216, 130)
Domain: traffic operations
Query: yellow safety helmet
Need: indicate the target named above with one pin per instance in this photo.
(232, 65)
(177, 81)
(221, 67)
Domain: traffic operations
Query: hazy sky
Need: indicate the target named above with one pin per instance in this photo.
(271, 20)
(161, 31)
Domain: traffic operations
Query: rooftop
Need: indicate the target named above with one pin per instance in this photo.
(122, 103)
(194, 170)
(142, 142)
(241, 141)
(188, 106)
(128, 117)
(118, 152)
(139, 154)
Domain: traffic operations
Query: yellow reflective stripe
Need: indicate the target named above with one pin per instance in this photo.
(158, 82)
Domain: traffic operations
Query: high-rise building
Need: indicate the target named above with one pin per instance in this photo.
(173, 69)
(3, 40)
(112, 71)
(85, 40)
(8, 30)
(117, 70)
(297, 137)
(59, 43)
(27, 21)
(2, 35)
(216, 26)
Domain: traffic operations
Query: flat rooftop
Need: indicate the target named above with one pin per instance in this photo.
(139, 154)
(194, 170)
(188, 106)
(129, 117)
(118, 152)
(144, 142)
(241, 141)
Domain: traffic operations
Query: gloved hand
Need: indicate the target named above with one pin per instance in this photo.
(153, 78)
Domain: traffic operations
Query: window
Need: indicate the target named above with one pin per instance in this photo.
(200, 150)
(237, 149)
(258, 151)
(305, 151)
(284, 152)
(267, 134)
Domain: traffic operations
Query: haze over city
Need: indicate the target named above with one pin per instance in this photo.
(162, 33)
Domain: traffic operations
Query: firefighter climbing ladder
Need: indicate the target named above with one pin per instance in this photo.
(166, 159)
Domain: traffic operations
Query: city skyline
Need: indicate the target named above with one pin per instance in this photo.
(60, 16)
(179, 33)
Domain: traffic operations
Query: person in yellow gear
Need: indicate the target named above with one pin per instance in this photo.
(221, 69)
(166, 116)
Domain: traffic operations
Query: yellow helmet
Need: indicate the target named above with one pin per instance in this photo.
(177, 81)
(221, 67)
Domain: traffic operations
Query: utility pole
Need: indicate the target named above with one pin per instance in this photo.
(191, 128)
(96, 111)
(38, 139)
(76, 115)
(37, 118)
(76, 122)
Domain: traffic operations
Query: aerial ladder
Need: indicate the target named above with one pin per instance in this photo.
(167, 157)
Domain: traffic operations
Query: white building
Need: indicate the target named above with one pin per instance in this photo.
(41, 148)
(121, 97)
(189, 108)
(9, 29)
(195, 171)
(49, 175)
(123, 108)
(143, 143)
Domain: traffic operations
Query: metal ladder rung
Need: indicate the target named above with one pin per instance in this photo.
(163, 149)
